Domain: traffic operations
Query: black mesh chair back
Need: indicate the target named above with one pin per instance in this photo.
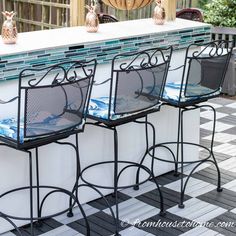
(205, 69)
(138, 80)
(54, 99)
(190, 14)
(105, 18)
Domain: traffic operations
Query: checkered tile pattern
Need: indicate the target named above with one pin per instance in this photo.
(139, 209)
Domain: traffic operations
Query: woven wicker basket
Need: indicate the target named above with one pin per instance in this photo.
(127, 4)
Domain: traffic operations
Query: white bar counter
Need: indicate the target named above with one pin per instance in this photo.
(96, 144)
(51, 39)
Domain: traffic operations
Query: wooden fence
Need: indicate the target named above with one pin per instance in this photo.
(44, 14)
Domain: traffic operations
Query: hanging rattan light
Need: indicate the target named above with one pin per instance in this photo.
(127, 4)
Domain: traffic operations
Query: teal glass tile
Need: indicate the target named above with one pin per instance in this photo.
(36, 52)
(172, 33)
(186, 31)
(112, 42)
(12, 77)
(82, 49)
(94, 45)
(16, 63)
(14, 56)
(128, 39)
(40, 60)
(186, 36)
(57, 50)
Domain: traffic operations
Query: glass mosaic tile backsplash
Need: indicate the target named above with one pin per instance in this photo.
(11, 65)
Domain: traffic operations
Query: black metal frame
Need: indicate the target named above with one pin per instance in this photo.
(65, 78)
(150, 62)
(53, 137)
(184, 106)
(109, 124)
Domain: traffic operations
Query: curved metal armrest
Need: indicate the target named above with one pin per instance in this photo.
(103, 82)
(11, 100)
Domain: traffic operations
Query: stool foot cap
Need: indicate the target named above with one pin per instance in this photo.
(70, 214)
(181, 206)
(38, 224)
(162, 213)
(136, 188)
(219, 190)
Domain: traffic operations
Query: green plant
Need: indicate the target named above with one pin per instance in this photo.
(201, 3)
(221, 13)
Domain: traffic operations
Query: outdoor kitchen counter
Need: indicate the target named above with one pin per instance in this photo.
(71, 36)
(57, 162)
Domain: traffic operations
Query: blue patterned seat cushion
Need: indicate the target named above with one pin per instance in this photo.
(99, 106)
(172, 91)
(42, 123)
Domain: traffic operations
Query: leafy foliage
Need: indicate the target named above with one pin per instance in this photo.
(202, 3)
(221, 13)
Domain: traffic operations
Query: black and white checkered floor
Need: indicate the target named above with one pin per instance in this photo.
(202, 202)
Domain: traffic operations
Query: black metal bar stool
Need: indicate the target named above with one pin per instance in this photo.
(128, 101)
(52, 104)
(203, 74)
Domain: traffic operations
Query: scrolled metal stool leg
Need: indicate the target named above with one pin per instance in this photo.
(74, 198)
(116, 180)
(162, 208)
(31, 194)
(181, 204)
(177, 148)
(38, 223)
(136, 187)
(151, 176)
(12, 223)
(219, 188)
(103, 197)
(117, 175)
(192, 171)
(78, 170)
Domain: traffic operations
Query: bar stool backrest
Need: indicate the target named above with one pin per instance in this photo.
(205, 68)
(137, 80)
(54, 99)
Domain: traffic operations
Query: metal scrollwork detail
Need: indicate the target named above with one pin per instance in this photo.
(212, 49)
(57, 74)
(142, 60)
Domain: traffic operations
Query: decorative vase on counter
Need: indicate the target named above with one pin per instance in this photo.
(159, 14)
(92, 22)
(9, 30)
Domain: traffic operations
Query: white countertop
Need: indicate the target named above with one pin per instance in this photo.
(46, 39)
